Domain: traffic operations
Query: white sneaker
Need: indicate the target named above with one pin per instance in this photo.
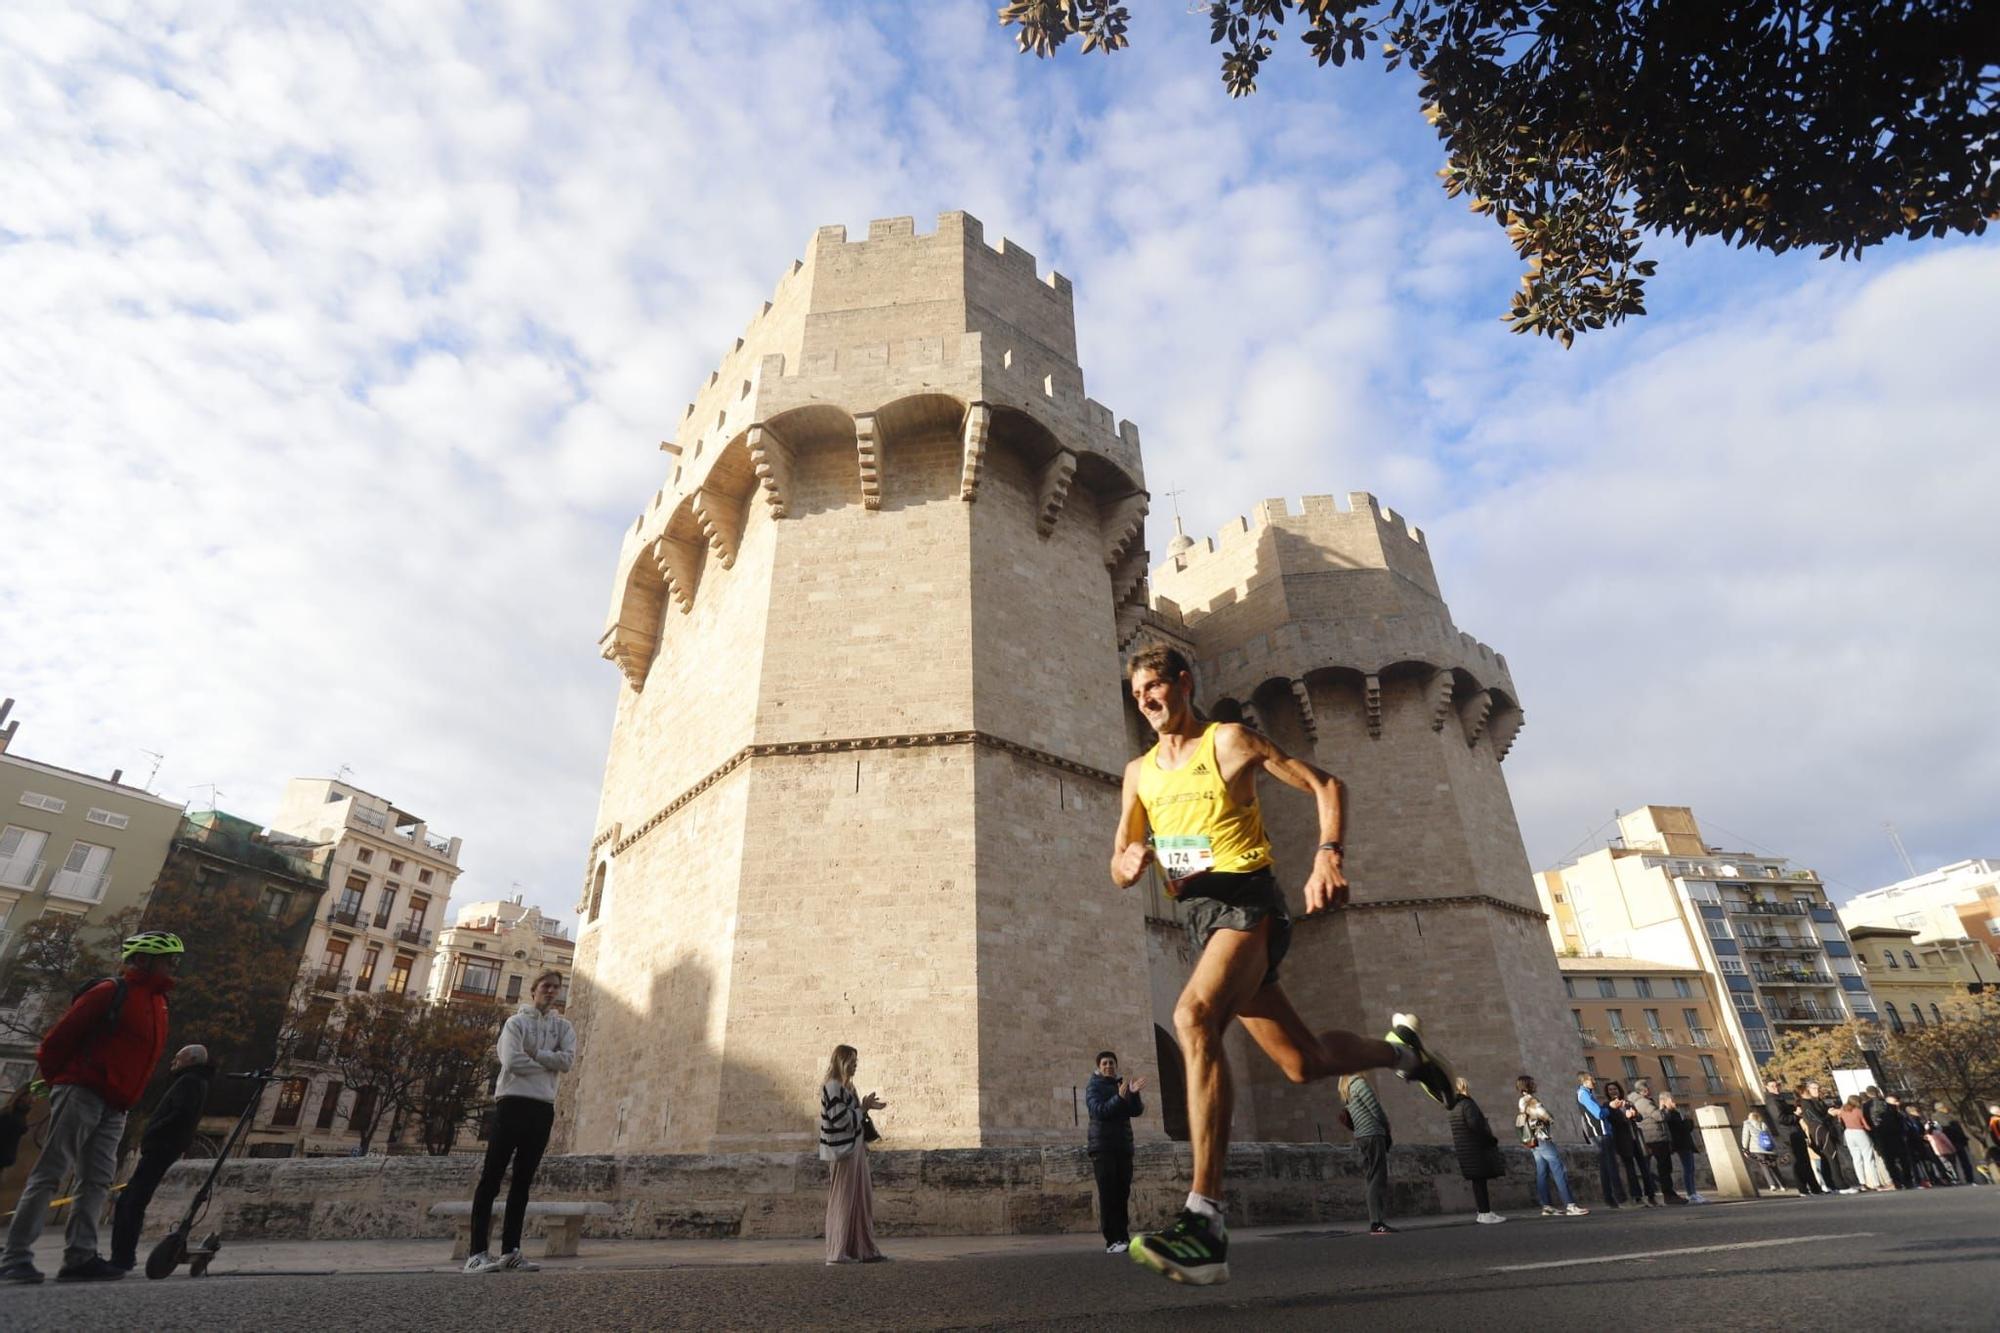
(1696, 1198)
(480, 1263)
(1548, 1211)
(1488, 1217)
(512, 1262)
(1116, 1247)
(1576, 1210)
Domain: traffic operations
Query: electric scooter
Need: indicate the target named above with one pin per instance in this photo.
(173, 1247)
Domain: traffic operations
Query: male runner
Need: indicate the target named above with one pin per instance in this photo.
(1190, 804)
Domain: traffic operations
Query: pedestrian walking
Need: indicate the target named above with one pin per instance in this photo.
(1781, 1113)
(1869, 1173)
(537, 1046)
(1760, 1148)
(843, 1140)
(1538, 1136)
(1960, 1143)
(170, 1129)
(1680, 1132)
(1595, 1122)
(98, 1058)
(1654, 1139)
(1362, 1113)
(1478, 1151)
(1622, 1121)
(1112, 1103)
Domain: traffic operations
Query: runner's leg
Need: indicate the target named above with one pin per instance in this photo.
(1228, 973)
(1272, 1022)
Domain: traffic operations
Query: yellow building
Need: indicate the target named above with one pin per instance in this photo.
(1641, 1019)
(1917, 983)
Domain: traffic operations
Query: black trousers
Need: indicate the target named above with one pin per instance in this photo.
(1480, 1198)
(130, 1218)
(1114, 1193)
(1802, 1172)
(1638, 1168)
(1374, 1150)
(1662, 1157)
(1894, 1151)
(521, 1128)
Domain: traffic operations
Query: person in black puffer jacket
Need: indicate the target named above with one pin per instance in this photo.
(169, 1133)
(1112, 1102)
(1478, 1151)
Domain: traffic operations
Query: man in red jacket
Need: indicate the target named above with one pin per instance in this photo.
(99, 1057)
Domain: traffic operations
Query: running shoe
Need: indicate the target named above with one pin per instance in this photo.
(1430, 1072)
(513, 1262)
(480, 1263)
(1117, 1247)
(21, 1272)
(1381, 1229)
(1191, 1250)
(1488, 1217)
(1548, 1211)
(94, 1269)
(1576, 1210)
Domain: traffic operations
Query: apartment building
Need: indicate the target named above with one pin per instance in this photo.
(1644, 1019)
(1917, 982)
(1758, 927)
(71, 845)
(496, 950)
(387, 880)
(1957, 901)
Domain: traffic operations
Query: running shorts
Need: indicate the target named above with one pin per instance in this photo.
(1221, 901)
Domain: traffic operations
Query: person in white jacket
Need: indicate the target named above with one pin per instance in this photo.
(536, 1045)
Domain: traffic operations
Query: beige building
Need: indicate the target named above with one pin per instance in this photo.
(1917, 982)
(865, 764)
(388, 877)
(71, 845)
(1640, 1019)
(1761, 930)
(496, 950)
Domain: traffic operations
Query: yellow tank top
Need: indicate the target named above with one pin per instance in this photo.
(1190, 806)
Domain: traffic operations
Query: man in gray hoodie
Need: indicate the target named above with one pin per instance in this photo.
(1655, 1138)
(536, 1045)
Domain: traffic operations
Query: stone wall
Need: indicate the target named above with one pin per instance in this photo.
(940, 1192)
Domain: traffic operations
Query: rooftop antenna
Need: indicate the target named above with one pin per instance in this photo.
(340, 774)
(214, 793)
(1901, 851)
(157, 759)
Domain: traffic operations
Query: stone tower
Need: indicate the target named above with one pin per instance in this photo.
(863, 774)
(1327, 630)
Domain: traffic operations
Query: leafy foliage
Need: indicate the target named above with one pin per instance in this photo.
(1579, 124)
(59, 952)
(428, 1062)
(1956, 1061)
(458, 1041)
(1814, 1053)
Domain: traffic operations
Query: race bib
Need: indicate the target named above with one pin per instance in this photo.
(1184, 857)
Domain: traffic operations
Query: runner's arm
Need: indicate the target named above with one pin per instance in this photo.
(1239, 748)
(1130, 851)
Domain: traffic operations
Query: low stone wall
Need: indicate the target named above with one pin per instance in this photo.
(942, 1192)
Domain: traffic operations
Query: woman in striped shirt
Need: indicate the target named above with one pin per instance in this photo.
(850, 1203)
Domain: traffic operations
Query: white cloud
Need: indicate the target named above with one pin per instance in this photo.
(337, 346)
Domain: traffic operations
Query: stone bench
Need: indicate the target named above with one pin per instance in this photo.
(562, 1224)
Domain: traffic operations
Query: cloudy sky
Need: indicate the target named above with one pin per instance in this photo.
(335, 345)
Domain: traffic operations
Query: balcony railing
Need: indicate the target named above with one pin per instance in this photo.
(414, 935)
(1765, 909)
(363, 815)
(1796, 943)
(1588, 1035)
(1700, 1037)
(474, 993)
(1790, 976)
(1679, 1084)
(1658, 1037)
(331, 979)
(18, 872)
(85, 886)
(1801, 1013)
(344, 916)
(1717, 1086)
(1626, 1037)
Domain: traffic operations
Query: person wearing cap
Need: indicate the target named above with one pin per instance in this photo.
(169, 1132)
(98, 1058)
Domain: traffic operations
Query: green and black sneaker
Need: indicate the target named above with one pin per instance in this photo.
(1430, 1072)
(1192, 1250)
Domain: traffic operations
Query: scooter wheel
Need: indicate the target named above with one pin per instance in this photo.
(167, 1255)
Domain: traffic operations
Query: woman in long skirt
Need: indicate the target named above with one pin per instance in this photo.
(850, 1203)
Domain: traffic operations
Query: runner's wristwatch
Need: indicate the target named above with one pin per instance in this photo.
(1332, 847)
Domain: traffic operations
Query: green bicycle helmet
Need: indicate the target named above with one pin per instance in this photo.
(150, 941)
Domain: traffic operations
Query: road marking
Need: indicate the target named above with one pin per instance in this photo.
(1668, 1254)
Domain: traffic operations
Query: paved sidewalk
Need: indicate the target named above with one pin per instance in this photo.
(432, 1254)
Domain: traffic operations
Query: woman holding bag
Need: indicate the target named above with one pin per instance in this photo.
(843, 1141)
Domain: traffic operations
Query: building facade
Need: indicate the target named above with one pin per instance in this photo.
(374, 930)
(494, 952)
(1957, 901)
(1759, 928)
(866, 759)
(72, 846)
(1916, 981)
(1641, 1019)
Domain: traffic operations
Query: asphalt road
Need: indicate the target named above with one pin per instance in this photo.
(1927, 1260)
